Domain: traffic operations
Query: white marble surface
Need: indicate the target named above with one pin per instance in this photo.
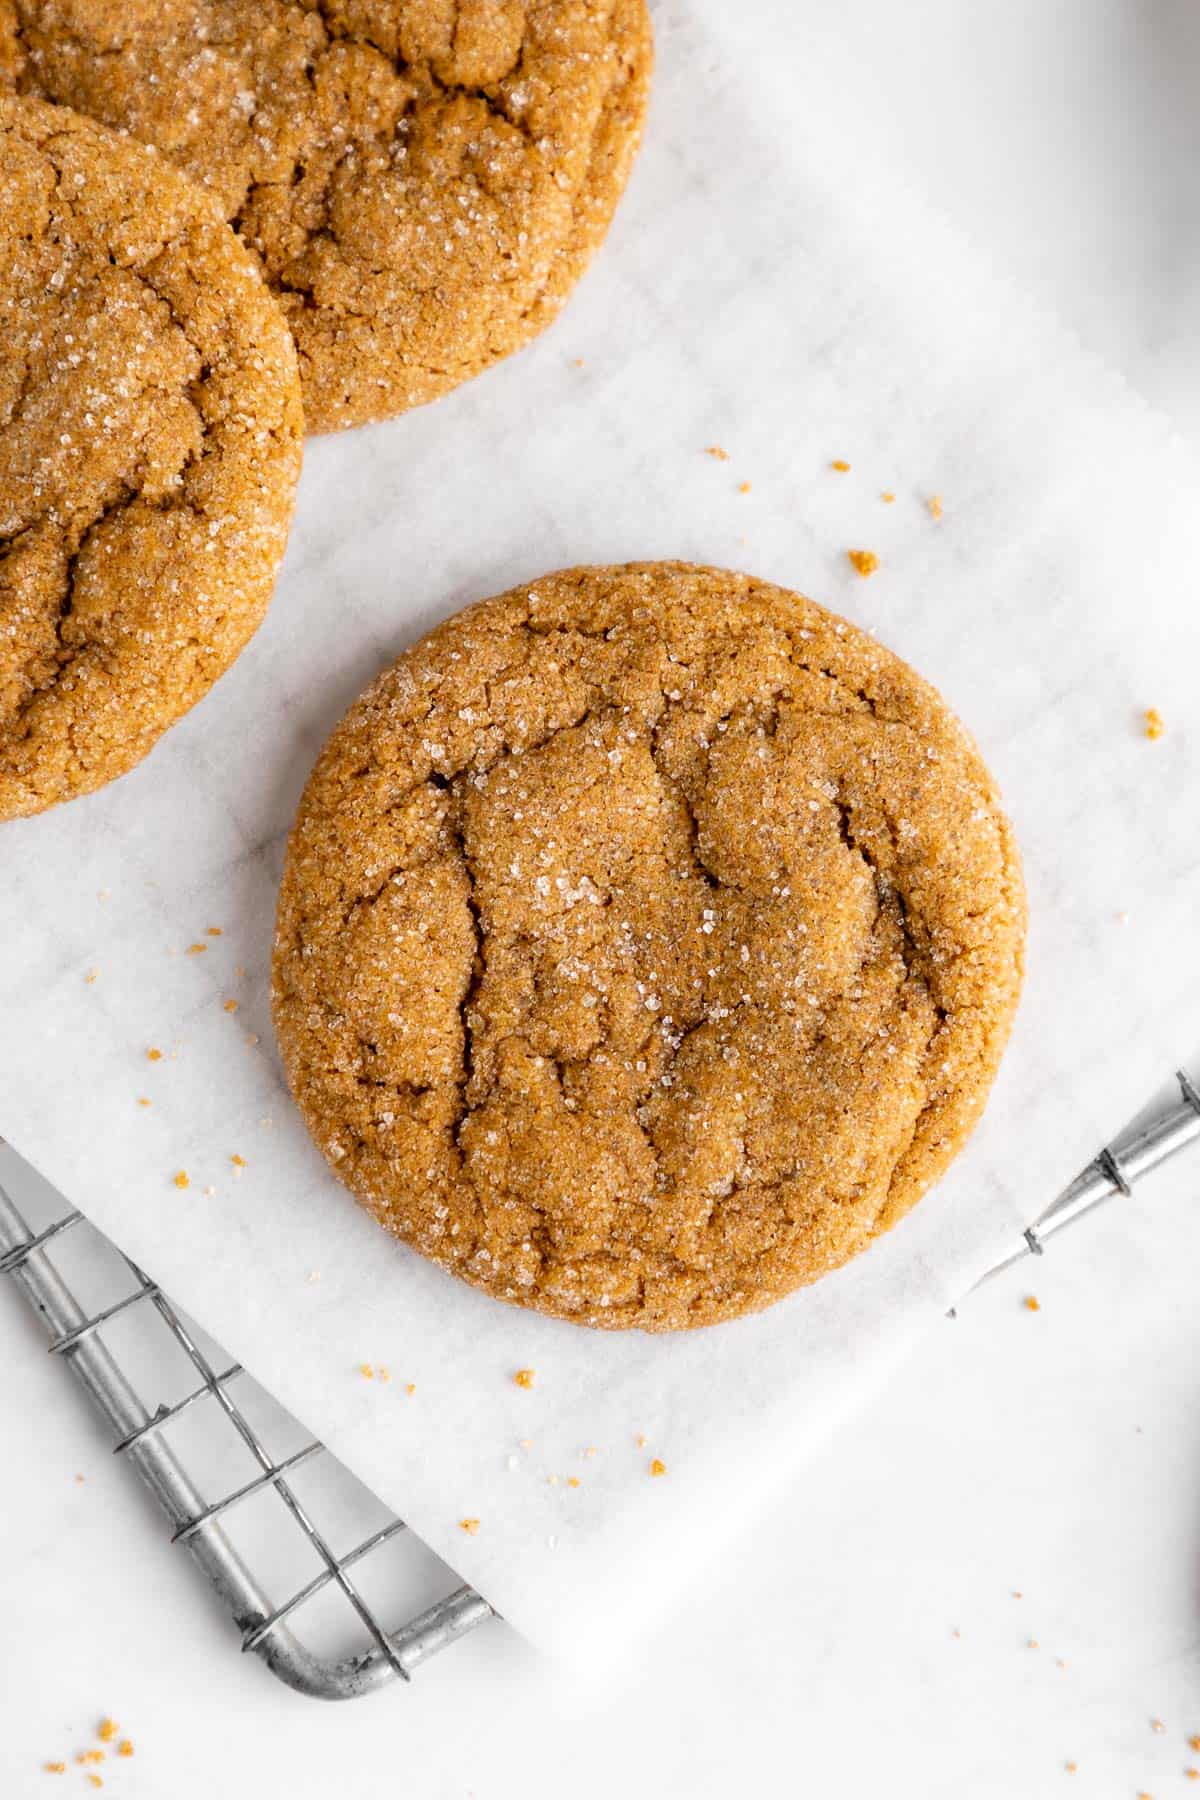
(1007, 1456)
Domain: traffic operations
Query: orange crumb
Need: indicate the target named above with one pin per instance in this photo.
(864, 562)
(96, 1780)
(1032, 1644)
(1157, 1725)
(142, 1100)
(81, 1478)
(1154, 722)
(640, 1440)
(743, 487)
(843, 468)
(591, 1450)
(1032, 1303)
(1071, 1767)
(716, 450)
(1194, 1742)
(384, 1373)
(1192, 1774)
(888, 498)
(58, 1768)
(410, 1387)
(934, 503)
(524, 1377)
(124, 1748)
(578, 363)
(470, 1526)
(1017, 1594)
(657, 1467)
(196, 949)
(231, 1006)
(367, 1371)
(90, 1756)
(106, 1731)
(91, 976)
(181, 1178)
(239, 1162)
(1142, 1795)
(573, 1481)
(154, 1055)
(215, 931)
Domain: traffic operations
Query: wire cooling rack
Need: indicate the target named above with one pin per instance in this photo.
(289, 1531)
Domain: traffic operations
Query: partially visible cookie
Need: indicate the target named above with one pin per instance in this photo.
(422, 180)
(648, 942)
(150, 443)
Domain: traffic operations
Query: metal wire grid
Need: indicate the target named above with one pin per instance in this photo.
(267, 1629)
(78, 1336)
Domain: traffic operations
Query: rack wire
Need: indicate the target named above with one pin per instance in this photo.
(148, 1437)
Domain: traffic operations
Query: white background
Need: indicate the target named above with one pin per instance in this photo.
(1055, 1453)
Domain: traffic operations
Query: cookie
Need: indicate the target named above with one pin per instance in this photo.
(423, 181)
(150, 442)
(648, 942)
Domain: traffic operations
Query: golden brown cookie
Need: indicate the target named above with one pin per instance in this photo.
(648, 943)
(150, 443)
(423, 180)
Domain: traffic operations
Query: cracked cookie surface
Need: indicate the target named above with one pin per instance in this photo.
(150, 444)
(423, 181)
(648, 942)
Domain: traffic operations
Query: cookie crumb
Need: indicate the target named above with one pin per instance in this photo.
(313, 1275)
(180, 1178)
(231, 1006)
(573, 1481)
(215, 931)
(640, 1440)
(106, 1731)
(154, 1054)
(524, 1378)
(864, 562)
(142, 1100)
(196, 949)
(1157, 1725)
(743, 487)
(239, 1162)
(524, 1443)
(90, 1756)
(1155, 725)
(1032, 1644)
(1017, 1594)
(367, 1371)
(1032, 1303)
(96, 1781)
(716, 451)
(843, 468)
(1071, 1767)
(410, 1388)
(470, 1526)
(934, 504)
(657, 1466)
(56, 1768)
(124, 1748)
(1191, 1774)
(90, 977)
(81, 1479)
(888, 498)
(1194, 1742)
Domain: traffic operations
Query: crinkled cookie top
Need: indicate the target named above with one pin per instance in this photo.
(150, 444)
(422, 180)
(648, 943)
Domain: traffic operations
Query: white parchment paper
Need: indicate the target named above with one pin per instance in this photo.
(768, 289)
